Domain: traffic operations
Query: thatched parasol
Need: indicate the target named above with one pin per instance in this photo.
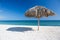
(39, 11)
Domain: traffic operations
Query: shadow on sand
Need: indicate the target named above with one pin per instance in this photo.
(19, 29)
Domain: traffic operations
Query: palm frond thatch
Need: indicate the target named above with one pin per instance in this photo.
(39, 11)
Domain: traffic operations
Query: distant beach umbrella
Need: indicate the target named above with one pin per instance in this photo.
(38, 12)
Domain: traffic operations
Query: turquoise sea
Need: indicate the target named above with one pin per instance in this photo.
(32, 22)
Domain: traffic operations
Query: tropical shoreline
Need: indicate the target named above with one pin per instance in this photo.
(45, 33)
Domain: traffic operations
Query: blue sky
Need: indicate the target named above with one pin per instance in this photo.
(15, 9)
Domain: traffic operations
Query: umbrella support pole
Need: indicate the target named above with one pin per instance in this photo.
(38, 23)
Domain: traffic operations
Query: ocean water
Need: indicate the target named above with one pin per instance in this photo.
(32, 22)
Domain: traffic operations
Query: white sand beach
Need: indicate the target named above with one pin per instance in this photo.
(45, 33)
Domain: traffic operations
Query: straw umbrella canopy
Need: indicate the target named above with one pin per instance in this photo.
(38, 12)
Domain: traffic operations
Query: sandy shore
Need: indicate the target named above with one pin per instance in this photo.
(8, 32)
